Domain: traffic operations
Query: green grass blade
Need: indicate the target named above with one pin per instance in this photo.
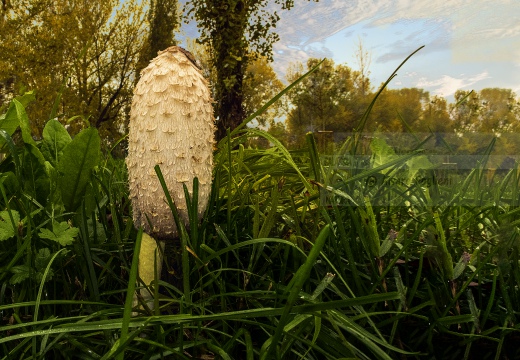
(294, 288)
(127, 313)
(272, 101)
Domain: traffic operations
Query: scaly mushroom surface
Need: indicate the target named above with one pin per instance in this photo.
(171, 125)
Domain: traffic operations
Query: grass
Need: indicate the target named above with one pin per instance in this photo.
(300, 255)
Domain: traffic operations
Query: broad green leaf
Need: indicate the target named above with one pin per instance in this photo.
(61, 232)
(20, 273)
(42, 258)
(35, 179)
(10, 121)
(55, 139)
(10, 182)
(6, 226)
(75, 166)
(416, 164)
(382, 153)
(24, 123)
(26, 98)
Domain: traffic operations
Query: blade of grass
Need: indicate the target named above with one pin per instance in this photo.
(127, 313)
(39, 297)
(273, 100)
(183, 235)
(294, 288)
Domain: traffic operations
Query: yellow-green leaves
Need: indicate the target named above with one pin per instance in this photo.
(24, 122)
(91, 47)
(16, 113)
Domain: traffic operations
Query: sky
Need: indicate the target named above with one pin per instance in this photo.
(469, 44)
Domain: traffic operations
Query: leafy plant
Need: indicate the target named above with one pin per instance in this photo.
(299, 255)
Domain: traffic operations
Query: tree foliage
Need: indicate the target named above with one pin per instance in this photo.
(236, 31)
(78, 54)
(480, 115)
(396, 109)
(261, 84)
(329, 99)
(331, 102)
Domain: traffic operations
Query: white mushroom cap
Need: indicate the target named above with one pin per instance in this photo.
(171, 124)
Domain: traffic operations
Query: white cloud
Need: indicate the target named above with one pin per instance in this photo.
(460, 25)
(470, 31)
(447, 85)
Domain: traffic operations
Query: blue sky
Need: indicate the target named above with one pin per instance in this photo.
(470, 44)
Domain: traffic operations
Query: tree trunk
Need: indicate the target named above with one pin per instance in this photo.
(231, 61)
(230, 111)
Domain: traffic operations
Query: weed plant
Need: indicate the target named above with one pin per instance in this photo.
(299, 255)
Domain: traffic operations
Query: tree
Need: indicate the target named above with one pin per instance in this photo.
(466, 110)
(395, 107)
(361, 76)
(326, 100)
(436, 117)
(279, 131)
(500, 116)
(236, 30)
(163, 22)
(202, 52)
(260, 85)
(500, 111)
(82, 53)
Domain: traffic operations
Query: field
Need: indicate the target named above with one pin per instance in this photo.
(356, 251)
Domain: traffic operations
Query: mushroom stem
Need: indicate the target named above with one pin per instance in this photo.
(150, 259)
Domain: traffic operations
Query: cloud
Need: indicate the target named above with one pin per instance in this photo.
(470, 31)
(459, 25)
(447, 85)
(286, 55)
(432, 33)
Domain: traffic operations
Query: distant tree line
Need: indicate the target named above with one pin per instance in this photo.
(331, 101)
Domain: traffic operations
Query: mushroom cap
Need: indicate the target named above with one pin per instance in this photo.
(171, 125)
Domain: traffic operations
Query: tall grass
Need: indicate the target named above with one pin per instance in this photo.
(300, 255)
